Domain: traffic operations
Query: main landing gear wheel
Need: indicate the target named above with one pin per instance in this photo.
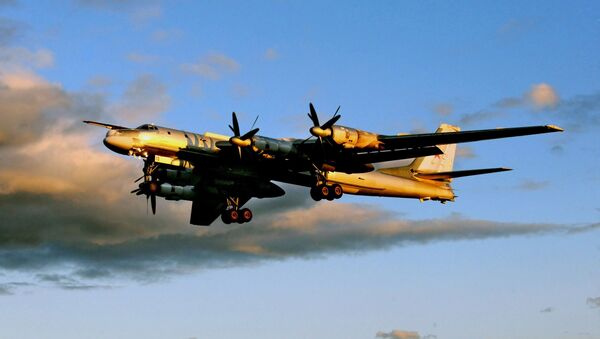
(329, 192)
(245, 216)
(236, 216)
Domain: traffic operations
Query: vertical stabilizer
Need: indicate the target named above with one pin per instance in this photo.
(441, 162)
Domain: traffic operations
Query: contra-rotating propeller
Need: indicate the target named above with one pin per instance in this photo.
(150, 186)
(322, 131)
(243, 140)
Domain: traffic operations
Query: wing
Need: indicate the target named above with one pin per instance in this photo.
(430, 139)
(101, 124)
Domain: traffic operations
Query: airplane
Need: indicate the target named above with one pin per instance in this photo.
(221, 173)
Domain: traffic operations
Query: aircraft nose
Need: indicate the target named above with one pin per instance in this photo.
(118, 143)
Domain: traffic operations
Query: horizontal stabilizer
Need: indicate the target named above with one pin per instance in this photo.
(101, 124)
(458, 174)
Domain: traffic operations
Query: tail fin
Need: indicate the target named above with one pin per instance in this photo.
(441, 162)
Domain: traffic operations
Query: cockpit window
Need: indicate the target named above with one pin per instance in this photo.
(148, 127)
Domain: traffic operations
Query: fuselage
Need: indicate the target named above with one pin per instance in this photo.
(166, 143)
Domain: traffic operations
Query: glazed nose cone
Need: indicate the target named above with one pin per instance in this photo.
(118, 142)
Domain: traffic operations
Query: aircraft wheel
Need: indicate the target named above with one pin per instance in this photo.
(245, 216)
(233, 215)
(324, 191)
(336, 191)
(315, 193)
(225, 218)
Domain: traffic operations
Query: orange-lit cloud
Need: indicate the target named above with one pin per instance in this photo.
(543, 96)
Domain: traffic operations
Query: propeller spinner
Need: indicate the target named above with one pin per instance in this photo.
(243, 140)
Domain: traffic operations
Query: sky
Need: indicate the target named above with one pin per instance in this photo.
(517, 255)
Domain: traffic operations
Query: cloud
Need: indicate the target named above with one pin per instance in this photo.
(143, 14)
(140, 12)
(14, 57)
(139, 58)
(68, 216)
(398, 334)
(443, 109)
(547, 310)
(465, 152)
(66, 282)
(543, 96)
(212, 66)
(28, 106)
(479, 116)
(9, 30)
(9, 287)
(144, 99)
(515, 27)
(593, 302)
(162, 35)
(271, 54)
(532, 185)
(580, 111)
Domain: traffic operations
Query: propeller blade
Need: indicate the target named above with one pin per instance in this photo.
(254, 123)
(135, 190)
(236, 126)
(313, 115)
(153, 203)
(331, 122)
(250, 134)
(140, 178)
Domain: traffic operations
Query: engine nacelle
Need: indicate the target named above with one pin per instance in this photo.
(176, 176)
(172, 192)
(353, 138)
(273, 146)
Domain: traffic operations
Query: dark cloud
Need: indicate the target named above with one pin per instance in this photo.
(66, 282)
(593, 302)
(8, 288)
(532, 185)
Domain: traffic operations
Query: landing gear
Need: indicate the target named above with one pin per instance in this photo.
(235, 215)
(329, 192)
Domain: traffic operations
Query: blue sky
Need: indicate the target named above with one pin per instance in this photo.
(517, 255)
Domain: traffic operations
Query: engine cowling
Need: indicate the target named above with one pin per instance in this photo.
(173, 192)
(273, 146)
(174, 176)
(354, 138)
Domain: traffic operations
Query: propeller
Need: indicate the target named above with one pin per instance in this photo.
(241, 140)
(150, 185)
(324, 130)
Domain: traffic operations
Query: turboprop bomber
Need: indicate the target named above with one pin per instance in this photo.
(221, 173)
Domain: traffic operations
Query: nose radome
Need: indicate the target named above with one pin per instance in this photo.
(118, 143)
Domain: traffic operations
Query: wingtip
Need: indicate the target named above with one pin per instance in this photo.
(554, 128)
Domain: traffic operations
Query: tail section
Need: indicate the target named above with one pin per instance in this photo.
(441, 162)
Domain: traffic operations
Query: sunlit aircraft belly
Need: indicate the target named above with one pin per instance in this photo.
(380, 184)
(169, 144)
